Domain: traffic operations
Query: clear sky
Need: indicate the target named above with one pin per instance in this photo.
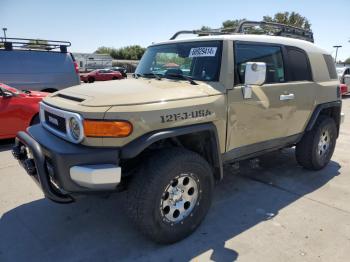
(90, 24)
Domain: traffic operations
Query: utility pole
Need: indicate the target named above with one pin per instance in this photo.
(336, 51)
(4, 29)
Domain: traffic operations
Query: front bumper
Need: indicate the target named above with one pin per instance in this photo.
(64, 170)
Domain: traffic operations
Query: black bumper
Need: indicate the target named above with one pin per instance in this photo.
(51, 159)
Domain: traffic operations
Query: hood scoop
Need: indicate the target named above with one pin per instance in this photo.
(72, 98)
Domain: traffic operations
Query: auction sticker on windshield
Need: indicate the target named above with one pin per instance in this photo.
(202, 51)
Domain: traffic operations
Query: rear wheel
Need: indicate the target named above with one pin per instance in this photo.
(316, 148)
(170, 195)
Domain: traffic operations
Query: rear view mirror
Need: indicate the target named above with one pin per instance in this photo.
(255, 73)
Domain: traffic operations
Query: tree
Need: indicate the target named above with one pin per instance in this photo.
(347, 61)
(133, 52)
(37, 44)
(232, 23)
(104, 50)
(205, 28)
(293, 19)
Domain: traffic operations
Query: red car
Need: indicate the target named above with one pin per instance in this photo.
(18, 110)
(100, 75)
(344, 89)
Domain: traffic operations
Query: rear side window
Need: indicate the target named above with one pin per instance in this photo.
(298, 65)
(271, 55)
(331, 66)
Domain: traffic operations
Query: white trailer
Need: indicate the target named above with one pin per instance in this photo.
(88, 62)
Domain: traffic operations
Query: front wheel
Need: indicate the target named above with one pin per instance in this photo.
(170, 195)
(316, 148)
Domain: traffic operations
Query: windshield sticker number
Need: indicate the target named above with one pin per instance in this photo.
(185, 115)
(202, 51)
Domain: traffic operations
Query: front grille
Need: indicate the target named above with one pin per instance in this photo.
(56, 122)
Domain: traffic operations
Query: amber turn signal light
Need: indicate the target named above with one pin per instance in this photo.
(93, 128)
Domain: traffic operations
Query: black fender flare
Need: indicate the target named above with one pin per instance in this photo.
(318, 110)
(135, 147)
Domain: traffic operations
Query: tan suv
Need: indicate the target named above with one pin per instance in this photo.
(192, 106)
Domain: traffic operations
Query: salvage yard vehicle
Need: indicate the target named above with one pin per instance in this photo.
(121, 70)
(342, 72)
(100, 75)
(38, 65)
(18, 110)
(344, 89)
(344, 78)
(165, 137)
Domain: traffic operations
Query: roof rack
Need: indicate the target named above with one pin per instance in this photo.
(269, 28)
(34, 44)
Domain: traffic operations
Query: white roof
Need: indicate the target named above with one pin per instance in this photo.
(305, 45)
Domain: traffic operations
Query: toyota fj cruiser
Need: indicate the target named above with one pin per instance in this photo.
(193, 105)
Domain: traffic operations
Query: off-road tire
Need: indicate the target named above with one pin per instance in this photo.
(147, 187)
(307, 150)
(91, 79)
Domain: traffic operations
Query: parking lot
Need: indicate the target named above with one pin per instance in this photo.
(274, 211)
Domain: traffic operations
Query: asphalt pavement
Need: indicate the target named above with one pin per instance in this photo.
(271, 210)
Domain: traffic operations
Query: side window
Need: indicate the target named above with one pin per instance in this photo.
(298, 65)
(271, 55)
(331, 66)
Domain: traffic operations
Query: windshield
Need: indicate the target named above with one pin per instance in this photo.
(6, 88)
(196, 60)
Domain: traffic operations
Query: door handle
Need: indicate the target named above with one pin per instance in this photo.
(287, 97)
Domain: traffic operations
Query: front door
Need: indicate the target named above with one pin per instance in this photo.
(8, 117)
(260, 122)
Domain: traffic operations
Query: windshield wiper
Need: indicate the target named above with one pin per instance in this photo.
(152, 74)
(183, 77)
(137, 75)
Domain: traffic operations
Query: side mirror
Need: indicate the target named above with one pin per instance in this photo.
(7, 94)
(255, 74)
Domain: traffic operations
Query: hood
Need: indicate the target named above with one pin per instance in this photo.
(37, 94)
(136, 91)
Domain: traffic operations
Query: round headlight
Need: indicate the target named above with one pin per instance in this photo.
(74, 128)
